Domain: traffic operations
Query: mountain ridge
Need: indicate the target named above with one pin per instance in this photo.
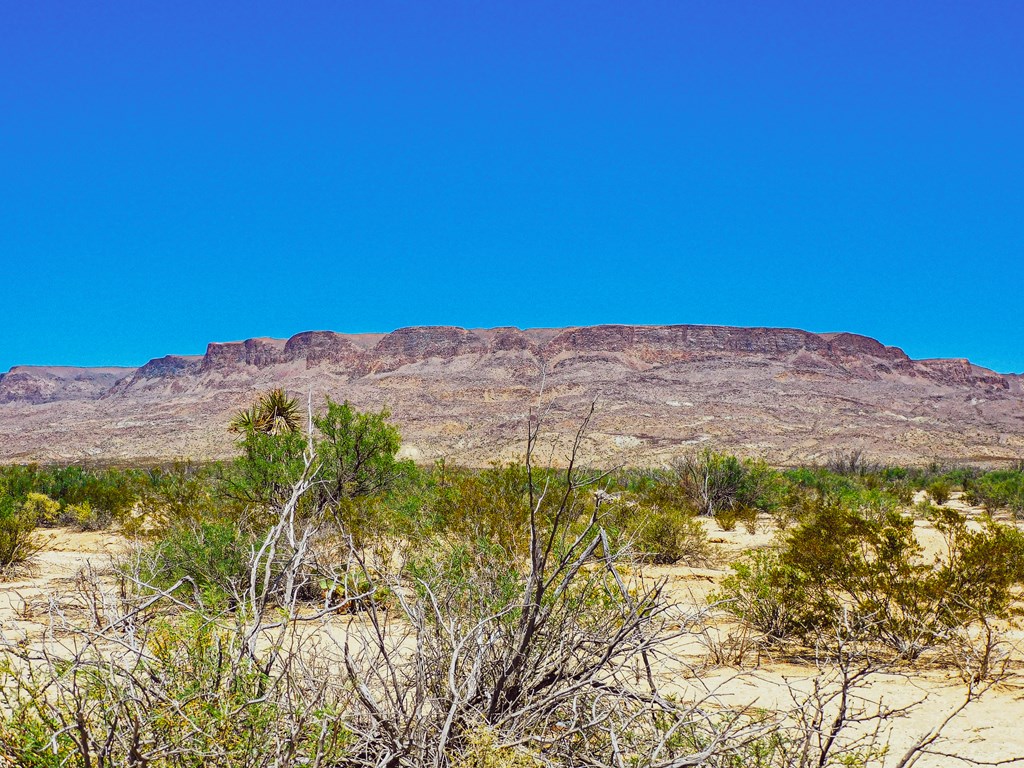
(464, 393)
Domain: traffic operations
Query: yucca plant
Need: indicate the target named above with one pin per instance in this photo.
(273, 413)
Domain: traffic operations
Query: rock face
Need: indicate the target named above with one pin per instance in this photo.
(785, 394)
(43, 384)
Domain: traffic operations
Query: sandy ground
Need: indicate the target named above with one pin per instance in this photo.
(990, 729)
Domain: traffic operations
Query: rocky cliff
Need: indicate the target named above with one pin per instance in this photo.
(661, 390)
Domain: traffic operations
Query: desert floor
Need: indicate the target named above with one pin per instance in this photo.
(990, 730)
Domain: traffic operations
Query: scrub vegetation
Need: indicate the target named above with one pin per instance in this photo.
(317, 601)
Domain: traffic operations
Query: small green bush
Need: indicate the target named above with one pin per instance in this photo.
(193, 699)
(666, 536)
(483, 751)
(715, 483)
(17, 540)
(728, 518)
(940, 490)
(1003, 489)
(491, 505)
(85, 517)
(214, 556)
(45, 510)
(771, 596)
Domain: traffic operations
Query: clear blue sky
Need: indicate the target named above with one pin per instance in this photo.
(184, 172)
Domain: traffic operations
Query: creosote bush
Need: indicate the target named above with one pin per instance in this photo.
(42, 508)
(18, 542)
(715, 483)
(215, 558)
(188, 696)
(864, 567)
(663, 534)
(939, 490)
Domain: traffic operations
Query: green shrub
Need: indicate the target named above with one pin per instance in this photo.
(980, 568)
(357, 451)
(715, 483)
(1003, 489)
(194, 698)
(728, 518)
(42, 508)
(901, 491)
(940, 490)
(483, 751)
(664, 535)
(266, 471)
(215, 557)
(771, 596)
(17, 540)
(109, 493)
(477, 576)
(179, 494)
(863, 568)
(490, 504)
(86, 517)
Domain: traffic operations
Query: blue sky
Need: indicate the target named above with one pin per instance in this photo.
(179, 173)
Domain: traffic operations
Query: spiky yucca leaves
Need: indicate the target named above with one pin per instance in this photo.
(273, 413)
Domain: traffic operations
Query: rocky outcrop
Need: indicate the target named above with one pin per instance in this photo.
(45, 384)
(410, 345)
(171, 366)
(852, 345)
(961, 372)
(681, 342)
(315, 348)
(233, 355)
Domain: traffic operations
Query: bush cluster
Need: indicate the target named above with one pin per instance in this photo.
(863, 568)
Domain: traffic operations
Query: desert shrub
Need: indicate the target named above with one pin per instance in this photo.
(17, 540)
(41, 507)
(531, 637)
(357, 451)
(939, 490)
(961, 476)
(667, 535)
(490, 504)
(1003, 489)
(657, 519)
(483, 750)
(214, 557)
(980, 569)
(727, 519)
(17, 481)
(822, 482)
(655, 488)
(853, 463)
(864, 568)
(902, 491)
(355, 459)
(189, 697)
(179, 494)
(109, 493)
(264, 473)
(475, 577)
(85, 517)
(771, 595)
(714, 483)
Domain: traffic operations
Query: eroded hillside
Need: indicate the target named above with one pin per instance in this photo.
(785, 394)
